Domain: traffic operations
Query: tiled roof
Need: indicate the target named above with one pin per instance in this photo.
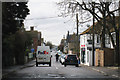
(71, 38)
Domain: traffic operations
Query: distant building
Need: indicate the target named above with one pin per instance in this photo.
(62, 45)
(36, 37)
(42, 42)
(71, 45)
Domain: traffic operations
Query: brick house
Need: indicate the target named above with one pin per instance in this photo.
(36, 38)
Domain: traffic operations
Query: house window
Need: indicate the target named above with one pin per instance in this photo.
(89, 41)
(89, 37)
(107, 39)
(98, 39)
(114, 37)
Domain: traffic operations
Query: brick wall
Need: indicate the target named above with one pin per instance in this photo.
(104, 57)
(96, 57)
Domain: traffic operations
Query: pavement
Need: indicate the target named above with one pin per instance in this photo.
(107, 71)
(11, 69)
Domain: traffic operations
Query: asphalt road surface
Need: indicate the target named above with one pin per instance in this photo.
(56, 72)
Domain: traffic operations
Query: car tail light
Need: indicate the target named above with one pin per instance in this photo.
(44, 52)
(77, 57)
(47, 52)
(66, 57)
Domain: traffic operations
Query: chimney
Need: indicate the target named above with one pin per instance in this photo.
(63, 36)
(32, 28)
(68, 33)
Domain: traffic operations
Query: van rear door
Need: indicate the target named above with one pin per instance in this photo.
(43, 55)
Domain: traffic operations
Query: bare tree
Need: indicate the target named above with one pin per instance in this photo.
(105, 12)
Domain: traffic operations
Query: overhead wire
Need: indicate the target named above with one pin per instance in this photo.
(43, 18)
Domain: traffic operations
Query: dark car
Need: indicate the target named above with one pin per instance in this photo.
(71, 59)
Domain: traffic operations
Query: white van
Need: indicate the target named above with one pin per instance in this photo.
(43, 55)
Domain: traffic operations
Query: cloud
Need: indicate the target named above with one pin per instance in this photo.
(40, 8)
(52, 29)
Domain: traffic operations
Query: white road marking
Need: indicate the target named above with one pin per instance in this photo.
(114, 75)
(73, 75)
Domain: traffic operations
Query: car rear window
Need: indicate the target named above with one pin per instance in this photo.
(72, 56)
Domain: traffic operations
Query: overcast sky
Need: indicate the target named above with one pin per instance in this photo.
(52, 29)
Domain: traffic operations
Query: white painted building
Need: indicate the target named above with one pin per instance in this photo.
(86, 47)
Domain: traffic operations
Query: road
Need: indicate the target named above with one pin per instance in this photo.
(55, 72)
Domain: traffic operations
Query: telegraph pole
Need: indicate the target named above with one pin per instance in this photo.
(93, 5)
(77, 48)
(77, 22)
(119, 38)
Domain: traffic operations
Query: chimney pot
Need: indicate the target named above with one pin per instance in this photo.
(32, 28)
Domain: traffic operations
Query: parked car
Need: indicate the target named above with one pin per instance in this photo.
(71, 59)
(62, 59)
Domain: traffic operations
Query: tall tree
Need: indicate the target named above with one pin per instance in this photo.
(13, 14)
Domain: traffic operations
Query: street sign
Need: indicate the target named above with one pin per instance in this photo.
(83, 49)
(32, 50)
(30, 55)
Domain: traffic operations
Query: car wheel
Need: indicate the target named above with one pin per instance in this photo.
(65, 65)
(76, 65)
(50, 64)
(36, 64)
